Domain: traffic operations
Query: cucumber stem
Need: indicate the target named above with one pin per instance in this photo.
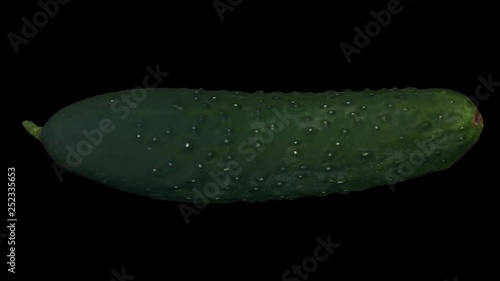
(33, 129)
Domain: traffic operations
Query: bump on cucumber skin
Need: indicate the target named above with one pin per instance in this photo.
(179, 143)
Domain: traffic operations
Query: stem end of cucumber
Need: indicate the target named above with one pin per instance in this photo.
(33, 129)
(478, 118)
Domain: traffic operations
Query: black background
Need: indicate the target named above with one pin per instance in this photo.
(435, 227)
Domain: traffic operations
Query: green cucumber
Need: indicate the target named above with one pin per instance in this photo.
(227, 146)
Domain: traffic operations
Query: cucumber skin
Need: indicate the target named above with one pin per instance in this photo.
(183, 144)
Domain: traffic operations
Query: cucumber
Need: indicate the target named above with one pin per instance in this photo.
(179, 144)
